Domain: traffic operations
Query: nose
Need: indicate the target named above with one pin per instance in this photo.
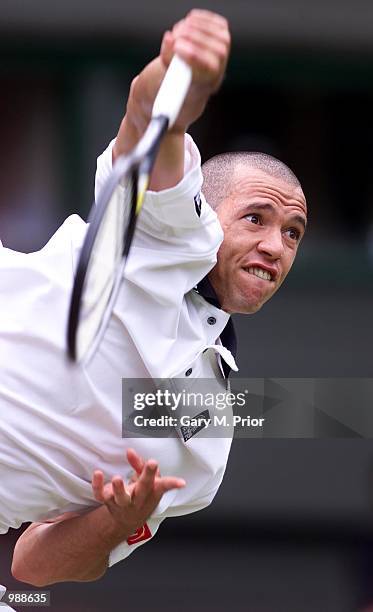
(271, 244)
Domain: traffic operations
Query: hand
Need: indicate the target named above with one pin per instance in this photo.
(202, 39)
(131, 505)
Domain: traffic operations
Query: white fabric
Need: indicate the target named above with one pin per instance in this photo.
(3, 606)
(59, 422)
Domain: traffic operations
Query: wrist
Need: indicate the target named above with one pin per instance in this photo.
(127, 137)
(115, 529)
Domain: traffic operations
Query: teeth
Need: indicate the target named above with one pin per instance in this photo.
(261, 273)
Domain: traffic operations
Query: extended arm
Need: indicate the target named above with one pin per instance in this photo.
(202, 39)
(77, 547)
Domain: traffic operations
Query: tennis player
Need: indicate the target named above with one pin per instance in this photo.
(62, 423)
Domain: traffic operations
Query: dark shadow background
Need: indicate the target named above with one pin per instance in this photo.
(292, 526)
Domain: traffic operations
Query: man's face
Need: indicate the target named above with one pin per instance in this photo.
(263, 220)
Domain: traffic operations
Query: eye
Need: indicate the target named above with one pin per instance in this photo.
(253, 218)
(293, 233)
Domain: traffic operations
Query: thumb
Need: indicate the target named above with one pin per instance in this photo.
(167, 48)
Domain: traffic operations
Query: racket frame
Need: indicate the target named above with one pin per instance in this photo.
(166, 108)
(140, 161)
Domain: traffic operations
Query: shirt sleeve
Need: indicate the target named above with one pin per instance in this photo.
(175, 245)
(182, 206)
(124, 549)
(105, 163)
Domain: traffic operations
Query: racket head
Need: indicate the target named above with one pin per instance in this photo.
(100, 267)
(107, 243)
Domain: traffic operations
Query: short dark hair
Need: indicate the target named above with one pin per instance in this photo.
(219, 170)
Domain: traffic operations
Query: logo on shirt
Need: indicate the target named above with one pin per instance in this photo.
(201, 419)
(142, 533)
(198, 203)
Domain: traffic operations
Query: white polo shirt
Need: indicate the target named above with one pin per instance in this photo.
(59, 422)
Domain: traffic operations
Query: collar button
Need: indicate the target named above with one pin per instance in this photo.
(211, 320)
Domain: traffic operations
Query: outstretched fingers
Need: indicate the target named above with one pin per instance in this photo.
(111, 493)
(135, 461)
(145, 484)
(167, 483)
(120, 495)
(98, 486)
(150, 483)
(133, 504)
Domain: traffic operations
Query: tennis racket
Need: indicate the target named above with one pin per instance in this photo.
(112, 221)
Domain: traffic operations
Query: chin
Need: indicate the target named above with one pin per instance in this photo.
(243, 307)
(246, 300)
(248, 304)
(252, 308)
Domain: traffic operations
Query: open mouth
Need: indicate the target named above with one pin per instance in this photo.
(260, 273)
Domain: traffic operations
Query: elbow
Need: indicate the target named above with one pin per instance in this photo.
(37, 579)
(20, 569)
(20, 573)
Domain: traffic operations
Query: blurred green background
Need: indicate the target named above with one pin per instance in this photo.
(293, 522)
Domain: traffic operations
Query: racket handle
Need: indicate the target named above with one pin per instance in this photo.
(173, 90)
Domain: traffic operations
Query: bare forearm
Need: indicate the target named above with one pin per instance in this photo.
(75, 549)
(169, 166)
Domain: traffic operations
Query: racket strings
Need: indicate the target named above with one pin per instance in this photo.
(106, 257)
(108, 241)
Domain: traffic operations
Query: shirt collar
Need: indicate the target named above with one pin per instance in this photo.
(228, 336)
(207, 291)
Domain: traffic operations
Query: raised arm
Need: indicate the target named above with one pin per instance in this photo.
(202, 39)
